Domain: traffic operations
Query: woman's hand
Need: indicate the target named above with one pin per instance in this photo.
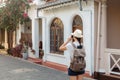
(69, 39)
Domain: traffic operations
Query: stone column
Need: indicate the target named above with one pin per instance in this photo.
(14, 38)
(35, 36)
(18, 34)
(44, 37)
(6, 43)
(103, 35)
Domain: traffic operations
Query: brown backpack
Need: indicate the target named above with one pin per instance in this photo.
(78, 62)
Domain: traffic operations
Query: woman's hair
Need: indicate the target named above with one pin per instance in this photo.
(79, 40)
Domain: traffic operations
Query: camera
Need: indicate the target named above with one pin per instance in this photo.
(71, 35)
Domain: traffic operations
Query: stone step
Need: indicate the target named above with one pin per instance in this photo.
(35, 60)
(109, 77)
(58, 67)
(86, 78)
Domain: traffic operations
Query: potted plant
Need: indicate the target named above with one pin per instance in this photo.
(25, 51)
(1, 46)
(33, 51)
(41, 53)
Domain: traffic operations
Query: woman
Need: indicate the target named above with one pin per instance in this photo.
(75, 39)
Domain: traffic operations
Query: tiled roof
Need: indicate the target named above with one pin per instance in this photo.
(54, 3)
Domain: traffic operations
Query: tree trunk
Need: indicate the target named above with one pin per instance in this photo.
(10, 39)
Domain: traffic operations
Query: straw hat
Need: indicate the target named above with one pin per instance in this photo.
(77, 33)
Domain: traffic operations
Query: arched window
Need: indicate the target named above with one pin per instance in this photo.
(56, 36)
(77, 23)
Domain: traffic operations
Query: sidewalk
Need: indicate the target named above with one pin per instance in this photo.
(49, 64)
(56, 66)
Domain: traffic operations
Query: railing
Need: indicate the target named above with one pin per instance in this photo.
(114, 60)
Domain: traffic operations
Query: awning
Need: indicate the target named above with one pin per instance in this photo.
(54, 3)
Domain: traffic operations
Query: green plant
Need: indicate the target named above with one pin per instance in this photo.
(33, 51)
(2, 47)
(15, 12)
(41, 53)
(9, 51)
(25, 48)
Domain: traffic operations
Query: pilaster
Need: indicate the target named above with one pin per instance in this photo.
(6, 43)
(14, 39)
(103, 34)
(35, 36)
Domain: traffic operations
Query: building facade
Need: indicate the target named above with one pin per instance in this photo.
(52, 21)
(57, 19)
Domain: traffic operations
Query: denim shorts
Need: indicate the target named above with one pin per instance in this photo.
(72, 73)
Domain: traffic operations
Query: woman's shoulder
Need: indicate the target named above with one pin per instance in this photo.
(69, 45)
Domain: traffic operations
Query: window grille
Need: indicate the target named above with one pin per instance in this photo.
(56, 36)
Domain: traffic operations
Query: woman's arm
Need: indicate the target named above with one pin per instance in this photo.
(63, 46)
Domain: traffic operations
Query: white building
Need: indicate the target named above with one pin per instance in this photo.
(55, 21)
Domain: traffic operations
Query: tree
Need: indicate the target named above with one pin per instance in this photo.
(13, 13)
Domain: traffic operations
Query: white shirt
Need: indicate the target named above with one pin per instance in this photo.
(70, 50)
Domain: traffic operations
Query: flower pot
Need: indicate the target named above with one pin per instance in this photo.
(41, 55)
(25, 56)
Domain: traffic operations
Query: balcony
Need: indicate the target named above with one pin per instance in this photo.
(113, 61)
